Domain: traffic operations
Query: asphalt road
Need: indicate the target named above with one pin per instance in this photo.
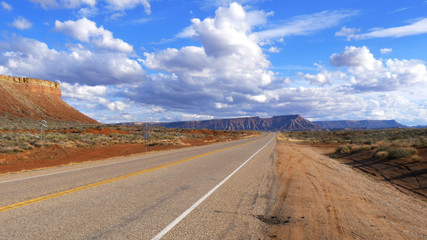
(219, 191)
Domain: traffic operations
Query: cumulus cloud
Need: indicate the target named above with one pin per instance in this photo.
(95, 95)
(129, 4)
(6, 6)
(21, 23)
(229, 65)
(368, 73)
(228, 32)
(416, 28)
(48, 4)
(28, 57)
(229, 70)
(86, 30)
(83, 91)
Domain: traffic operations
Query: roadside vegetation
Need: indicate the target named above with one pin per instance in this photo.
(21, 135)
(383, 144)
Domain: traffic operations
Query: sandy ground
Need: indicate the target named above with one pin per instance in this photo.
(322, 198)
(404, 174)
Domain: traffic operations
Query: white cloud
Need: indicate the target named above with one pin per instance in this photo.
(228, 60)
(4, 70)
(400, 9)
(347, 32)
(415, 28)
(305, 24)
(83, 91)
(88, 12)
(227, 33)
(230, 72)
(157, 109)
(86, 30)
(29, 57)
(205, 4)
(90, 9)
(334, 103)
(386, 50)
(368, 73)
(48, 4)
(117, 106)
(6, 6)
(189, 117)
(274, 50)
(129, 4)
(258, 98)
(97, 95)
(21, 23)
(356, 57)
(321, 78)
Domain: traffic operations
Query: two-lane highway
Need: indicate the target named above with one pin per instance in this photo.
(217, 191)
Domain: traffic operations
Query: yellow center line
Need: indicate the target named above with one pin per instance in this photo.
(73, 190)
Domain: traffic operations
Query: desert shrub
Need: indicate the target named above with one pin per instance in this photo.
(343, 150)
(394, 152)
(11, 149)
(357, 149)
(422, 141)
(54, 137)
(381, 154)
(401, 153)
(40, 144)
(114, 135)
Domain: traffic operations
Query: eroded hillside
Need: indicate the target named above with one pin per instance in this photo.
(36, 99)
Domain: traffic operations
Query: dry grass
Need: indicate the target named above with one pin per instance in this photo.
(383, 144)
(21, 135)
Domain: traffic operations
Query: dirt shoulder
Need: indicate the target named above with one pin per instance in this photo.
(321, 198)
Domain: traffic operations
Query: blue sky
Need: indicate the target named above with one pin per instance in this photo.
(171, 60)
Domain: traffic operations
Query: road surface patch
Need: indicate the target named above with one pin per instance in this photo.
(55, 195)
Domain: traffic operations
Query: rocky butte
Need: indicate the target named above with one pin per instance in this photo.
(36, 99)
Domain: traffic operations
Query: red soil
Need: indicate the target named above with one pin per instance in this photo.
(57, 155)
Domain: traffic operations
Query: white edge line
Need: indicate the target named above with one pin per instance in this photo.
(196, 204)
(72, 170)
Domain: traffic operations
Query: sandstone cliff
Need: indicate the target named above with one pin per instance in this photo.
(278, 123)
(37, 99)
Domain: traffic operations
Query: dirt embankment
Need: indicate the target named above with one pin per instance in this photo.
(321, 198)
(405, 174)
(36, 99)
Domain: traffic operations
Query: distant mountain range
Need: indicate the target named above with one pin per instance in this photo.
(279, 123)
(359, 124)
